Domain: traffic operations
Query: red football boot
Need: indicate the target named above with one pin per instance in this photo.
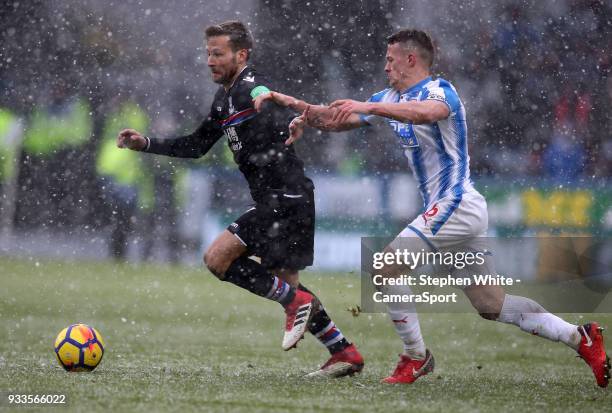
(408, 370)
(343, 363)
(593, 352)
(299, 312)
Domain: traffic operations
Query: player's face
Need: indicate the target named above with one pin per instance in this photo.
(399, 63)
(222, 60)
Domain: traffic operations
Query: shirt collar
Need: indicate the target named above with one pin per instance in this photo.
(238, 77)
(417, 85)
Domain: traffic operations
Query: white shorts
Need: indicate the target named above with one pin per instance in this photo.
(451, 221)
(451, 224)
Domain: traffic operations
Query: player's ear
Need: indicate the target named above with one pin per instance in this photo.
(412, 60)
(243, 55)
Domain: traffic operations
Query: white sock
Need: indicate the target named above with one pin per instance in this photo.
(406, 323)
(533, 318)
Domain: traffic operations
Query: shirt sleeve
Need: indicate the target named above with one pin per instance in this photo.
(256, 84)
(259, 90)
(373, 120)
(445, 94)
(194, 145)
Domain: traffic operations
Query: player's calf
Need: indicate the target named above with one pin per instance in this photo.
(532, 318)
(324, 329)
(298, 305)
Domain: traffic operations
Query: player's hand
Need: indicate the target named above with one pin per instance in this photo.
(296, 128)
(259, 100)
(131, 139)
(345, 108)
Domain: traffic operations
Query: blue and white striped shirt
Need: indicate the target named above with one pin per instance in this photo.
(437, 152)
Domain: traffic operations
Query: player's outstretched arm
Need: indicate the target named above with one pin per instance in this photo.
(416, 112)
(318, 116)
(280, 99)
(326, 118)
(194, 145)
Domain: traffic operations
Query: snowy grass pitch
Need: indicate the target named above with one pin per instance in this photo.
(179, 340)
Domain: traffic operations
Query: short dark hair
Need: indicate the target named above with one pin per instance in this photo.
(415, 38)
(239, 36)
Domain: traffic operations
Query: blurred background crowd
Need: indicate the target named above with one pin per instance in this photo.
(534, 76)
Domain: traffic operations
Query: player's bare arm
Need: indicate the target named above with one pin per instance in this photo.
(416, 112)
(326, 118)
(280, 99)
(322, 118)
(319, 116)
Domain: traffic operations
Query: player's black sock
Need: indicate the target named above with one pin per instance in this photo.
(324, 329)
(252, 276)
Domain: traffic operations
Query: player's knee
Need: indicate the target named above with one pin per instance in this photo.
(488, 307)
(488, 301)
(215, 264)
(489, 316)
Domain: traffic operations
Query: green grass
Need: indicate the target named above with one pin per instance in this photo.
(179, 340)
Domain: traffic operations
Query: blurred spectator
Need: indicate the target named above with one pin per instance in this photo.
(162, 227)
(56, 135)
(11, 130)
(575, 108)
(564, 157)
(125, 183)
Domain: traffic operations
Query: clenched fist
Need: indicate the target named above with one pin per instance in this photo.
(131, 139)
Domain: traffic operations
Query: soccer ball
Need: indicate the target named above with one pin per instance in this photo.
(79, 348)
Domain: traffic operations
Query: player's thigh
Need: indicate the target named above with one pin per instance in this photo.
(281, 238)
(486, 299)
(290, 240)
(405, 245)
(222, 252)
(253, 229)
